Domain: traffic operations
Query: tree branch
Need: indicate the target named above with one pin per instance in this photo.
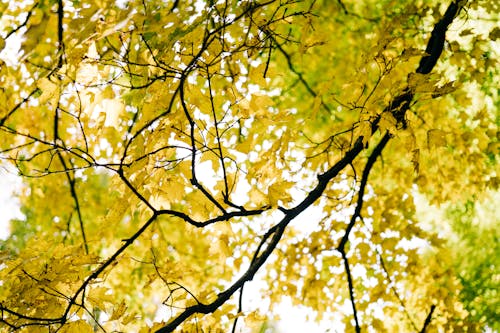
(364, 180)
(95, 274)
(436, 42)
(72, 185)
(393, 288)
(275, 233)
(23, 24)
(399, 106)
(351, 291)
(18, 105)
(302, 80)
(428, 319)
(60, 32)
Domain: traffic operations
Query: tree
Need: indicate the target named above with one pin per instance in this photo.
(173, 151)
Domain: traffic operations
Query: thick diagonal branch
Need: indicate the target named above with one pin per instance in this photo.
(428, 319)
(400, 104)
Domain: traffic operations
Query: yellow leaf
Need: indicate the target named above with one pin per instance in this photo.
(49, 90)
(436, 138)
(87, 74)
(315, 107)
(244, 109)
(79, 326)
(36, 31)
(246, 145)
(421, 83)
(415, 160)
(466, 32)
(221, 247)
(253, 318)
(113, 109)
(494, 34)
(257, 197)
(279, 192)
(363, 249)
(259, 104)
(444, 89)
(493, 148)
(388, 122)
(212, 158)
(365, 131)
(224, 246)
(390, 243)
(256, 75)
(129, 318)
(118, 311)
(99, 296)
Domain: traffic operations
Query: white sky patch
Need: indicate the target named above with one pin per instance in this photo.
(10, 51)
(9, 204)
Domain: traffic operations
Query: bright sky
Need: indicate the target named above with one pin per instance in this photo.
(9, 205)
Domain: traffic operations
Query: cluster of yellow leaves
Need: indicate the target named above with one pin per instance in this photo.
(196, 111)
(41, 275)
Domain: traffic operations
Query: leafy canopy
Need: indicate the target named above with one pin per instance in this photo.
(169, 151)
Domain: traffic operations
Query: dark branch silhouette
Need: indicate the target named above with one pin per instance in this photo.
(428, 319)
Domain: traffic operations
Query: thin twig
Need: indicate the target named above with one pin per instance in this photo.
(351, 291)
(364, 180)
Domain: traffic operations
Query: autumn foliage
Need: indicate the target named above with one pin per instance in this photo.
(174, 154)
